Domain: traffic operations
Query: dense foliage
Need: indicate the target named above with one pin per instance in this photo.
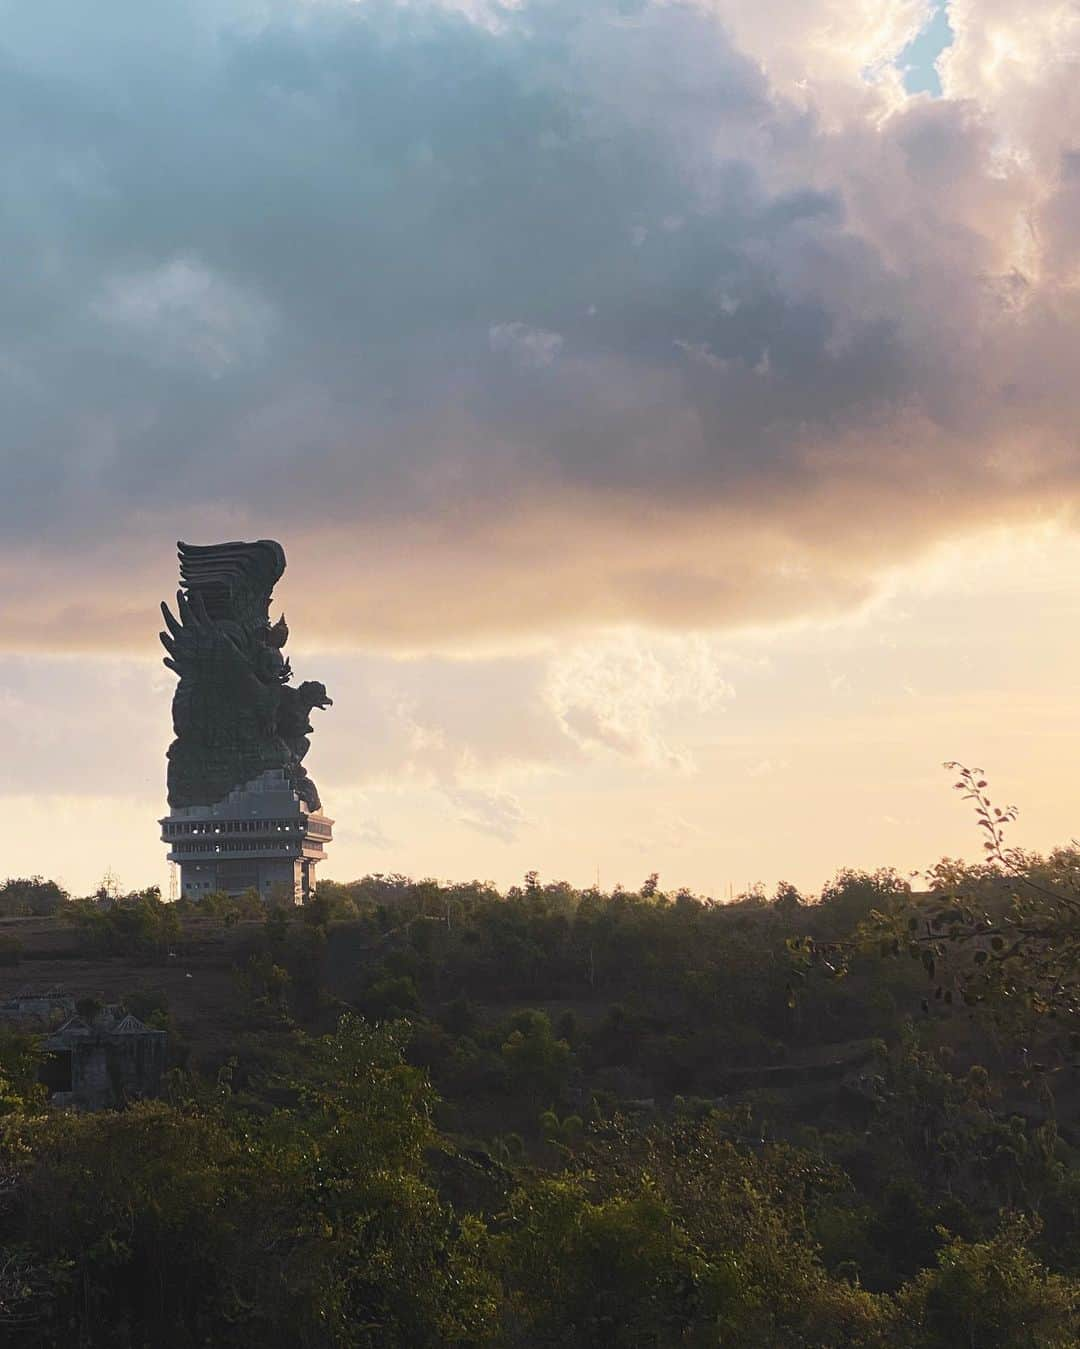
(448, 1116)
(26, 896)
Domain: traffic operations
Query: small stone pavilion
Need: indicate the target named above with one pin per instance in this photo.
(96, 1064)
(105, 1063)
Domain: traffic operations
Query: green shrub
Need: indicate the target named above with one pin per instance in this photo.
(139, 924)
(31, 896)
(992, 1294)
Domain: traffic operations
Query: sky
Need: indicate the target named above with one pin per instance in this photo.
(668, 408)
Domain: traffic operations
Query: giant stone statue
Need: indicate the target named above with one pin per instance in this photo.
(241, 728)
(234, 713)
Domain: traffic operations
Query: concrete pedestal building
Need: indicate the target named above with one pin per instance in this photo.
(262, 837)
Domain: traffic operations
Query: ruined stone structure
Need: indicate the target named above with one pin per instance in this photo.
(102, 1064)
(30, 1009)
(244, 812)
(95, 1064)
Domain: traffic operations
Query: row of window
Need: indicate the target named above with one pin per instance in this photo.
(237, 845)
(205, 885)
(173, 830)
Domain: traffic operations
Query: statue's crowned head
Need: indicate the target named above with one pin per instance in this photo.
(234, 580)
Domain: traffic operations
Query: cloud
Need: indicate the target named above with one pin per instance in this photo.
(369, 833)
(513, 318)
(767, 768)
(180, 314)
(524, 345)
(663, 829)
(471, 735)
(97, 728)
(619, 694)
(497, 813)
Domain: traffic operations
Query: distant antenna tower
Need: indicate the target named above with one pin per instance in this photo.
(172, 882)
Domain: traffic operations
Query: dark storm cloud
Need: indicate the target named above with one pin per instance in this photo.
(482, 305)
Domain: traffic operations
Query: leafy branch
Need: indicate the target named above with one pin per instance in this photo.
(1024, 945)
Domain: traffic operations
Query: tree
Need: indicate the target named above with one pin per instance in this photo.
(310, 1224)
(990, 1295)
(31, 896)
(1006, 932)
(20, 1060)
(537, 1062)
(138, 924)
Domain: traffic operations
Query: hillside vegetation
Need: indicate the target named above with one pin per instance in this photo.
(415, 1114)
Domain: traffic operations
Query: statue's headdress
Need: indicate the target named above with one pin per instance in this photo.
(233, 580)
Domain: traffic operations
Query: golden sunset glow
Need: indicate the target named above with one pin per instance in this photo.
(669, 413)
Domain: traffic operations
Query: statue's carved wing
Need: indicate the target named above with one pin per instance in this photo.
(199, 647)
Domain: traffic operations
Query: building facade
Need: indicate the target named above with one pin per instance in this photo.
(263, 836)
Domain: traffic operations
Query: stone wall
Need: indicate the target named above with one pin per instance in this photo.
(103, 1065)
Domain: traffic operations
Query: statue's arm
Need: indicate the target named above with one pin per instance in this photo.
(199, 648)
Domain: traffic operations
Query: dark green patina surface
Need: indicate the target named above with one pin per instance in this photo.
(235, 714)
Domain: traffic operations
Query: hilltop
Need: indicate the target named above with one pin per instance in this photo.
(569, 1117)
